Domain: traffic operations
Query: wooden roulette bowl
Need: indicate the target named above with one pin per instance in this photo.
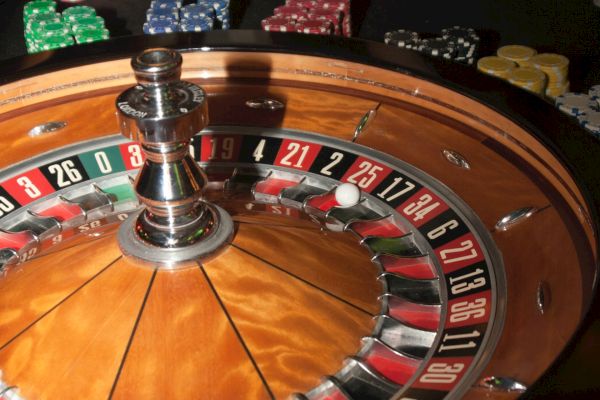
(464, 271)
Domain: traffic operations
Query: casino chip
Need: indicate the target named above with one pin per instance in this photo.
(460, 35)
(457, 43)
(528, 78)
(94, 22)
(155, 4)
(401, 38)
(591, 121)
(575, 104)
(37, 7)
(519, 54)
(91, 34)
(46, 29)
(315, 27)
(37, 21)
(71, 14)
(304, 16)
(438, 47)
(555, 66)
(161, 26)
(594, 93)
(197, 24)
(496, 66)
(166, 16)
(171, 13)
(278, 24)
(196, 11)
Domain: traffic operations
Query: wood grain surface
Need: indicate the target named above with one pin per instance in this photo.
(75, 351)
(296, 333)
(332, 261)
(30, 290)
(185, 347)
(539, 254)
(492, 186)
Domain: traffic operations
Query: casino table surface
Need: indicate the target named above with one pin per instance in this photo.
(571, 28)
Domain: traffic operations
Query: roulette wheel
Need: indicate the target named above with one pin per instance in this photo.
(314, 218)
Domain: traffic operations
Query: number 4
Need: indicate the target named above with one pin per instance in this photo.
(258, 152)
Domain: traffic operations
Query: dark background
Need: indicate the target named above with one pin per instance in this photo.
(569, 27)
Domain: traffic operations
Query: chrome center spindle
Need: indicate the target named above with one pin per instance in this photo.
(163, 113)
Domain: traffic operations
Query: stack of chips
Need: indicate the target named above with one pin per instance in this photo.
(524, 74)
(553, 67)
(321, 17)
(496, 66)
(521, 55)
(85, 25)
(46, 29)
(583, 106)
(162, 17)
(466, 42)
(528, 78)
(402, 38)
(196, 18)
(168, 16)
(556, 68)
(456, 43)
(438, 47)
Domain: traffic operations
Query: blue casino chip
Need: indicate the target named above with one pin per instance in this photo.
(158, 4)
(195, 25)
(160, 26)
(155, 18)
(218, 4)
(199, 20)
(196, 11)
(166, 12)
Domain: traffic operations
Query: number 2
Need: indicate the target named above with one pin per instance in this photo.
(337, 158)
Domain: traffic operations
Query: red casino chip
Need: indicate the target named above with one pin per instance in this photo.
(315, 27)
(291, 12)
(278, 24)
(333, 16)
(333, 5)
(301, 3)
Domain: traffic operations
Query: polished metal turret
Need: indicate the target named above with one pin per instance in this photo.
(163, 113)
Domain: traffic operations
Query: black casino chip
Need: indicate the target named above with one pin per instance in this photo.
(438, 47)
(402, 38)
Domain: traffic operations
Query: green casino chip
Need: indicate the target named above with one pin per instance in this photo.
(50, 30)
(91, 35)
(38, 7)
(39, 20)
(48, 15)
(71, 14)
(56, 42)
(87, 22)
